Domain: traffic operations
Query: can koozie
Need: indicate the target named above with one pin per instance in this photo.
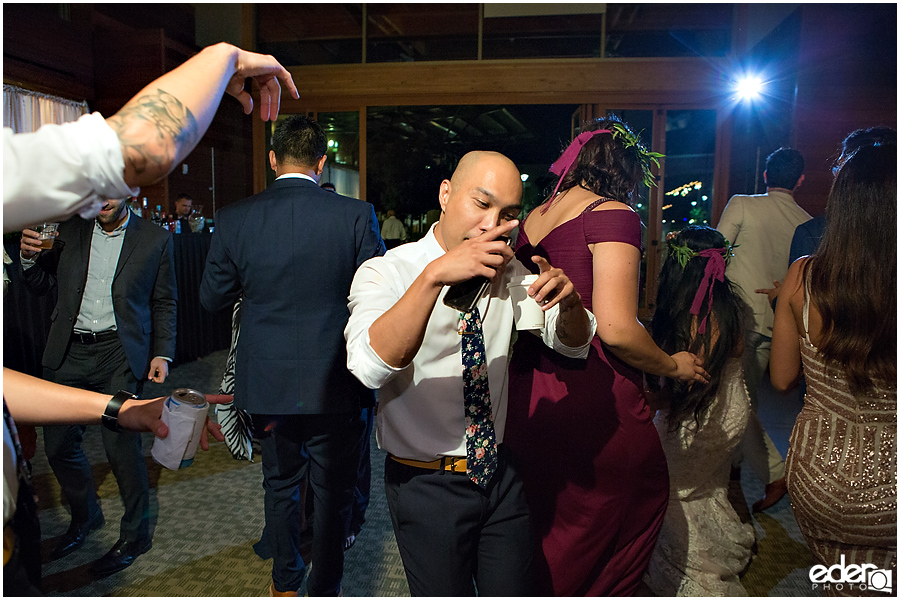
(184, 412)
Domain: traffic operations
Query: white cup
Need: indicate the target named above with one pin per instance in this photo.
(527, 313)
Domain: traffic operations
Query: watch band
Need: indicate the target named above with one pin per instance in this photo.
(110, 418)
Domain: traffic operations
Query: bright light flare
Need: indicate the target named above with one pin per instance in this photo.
(749, 87)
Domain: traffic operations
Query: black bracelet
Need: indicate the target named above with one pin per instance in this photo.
(110, 418)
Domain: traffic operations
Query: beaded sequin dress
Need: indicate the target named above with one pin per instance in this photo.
(841, 468)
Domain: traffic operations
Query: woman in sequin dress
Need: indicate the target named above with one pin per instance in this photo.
(837, 317)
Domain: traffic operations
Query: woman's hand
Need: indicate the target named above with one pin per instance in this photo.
(688, 367)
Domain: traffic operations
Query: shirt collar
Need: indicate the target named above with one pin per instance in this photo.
(430, 246)
(118, 230)
(296, 176)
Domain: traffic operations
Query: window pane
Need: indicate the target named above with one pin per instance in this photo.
(550, 36)
(342, 166)
(417, 32)
(668, 29)
(690, 160)
(641, 122)
(310, 34)
(411, 149)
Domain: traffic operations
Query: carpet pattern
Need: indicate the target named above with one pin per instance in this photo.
(205, 519)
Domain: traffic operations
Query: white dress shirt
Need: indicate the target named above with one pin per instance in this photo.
(59, 170)
(393, 229)
(420, 413)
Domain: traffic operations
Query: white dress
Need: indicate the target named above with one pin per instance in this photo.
(703, 546)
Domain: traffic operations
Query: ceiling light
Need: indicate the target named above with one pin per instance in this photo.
(749, 87)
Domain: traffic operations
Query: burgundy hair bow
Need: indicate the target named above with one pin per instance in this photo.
(567, 159)
(715, 270)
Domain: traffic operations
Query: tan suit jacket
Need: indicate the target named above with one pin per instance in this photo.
(762, 226)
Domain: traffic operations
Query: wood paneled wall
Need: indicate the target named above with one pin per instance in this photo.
(105, 54)
(847, 80)
(47, 53)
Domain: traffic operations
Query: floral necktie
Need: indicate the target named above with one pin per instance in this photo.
(481, 442)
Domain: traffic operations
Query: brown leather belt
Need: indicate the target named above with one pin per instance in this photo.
(454, 464)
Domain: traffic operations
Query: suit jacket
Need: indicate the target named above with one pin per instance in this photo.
(762, 226)
(807, 238)
(290, 253)
(144, 291)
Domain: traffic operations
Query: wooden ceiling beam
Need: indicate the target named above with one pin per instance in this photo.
(673, 81)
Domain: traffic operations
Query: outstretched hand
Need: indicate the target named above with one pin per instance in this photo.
(772, 292)
(145, 415)
(266, 71)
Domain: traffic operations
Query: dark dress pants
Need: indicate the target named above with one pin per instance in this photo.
(363, 476)
(101, 367)
(455, 538)
(327, 448)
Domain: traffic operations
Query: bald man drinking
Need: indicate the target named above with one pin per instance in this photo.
(455, 499)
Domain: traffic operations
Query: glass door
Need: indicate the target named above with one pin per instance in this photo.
(684, 195)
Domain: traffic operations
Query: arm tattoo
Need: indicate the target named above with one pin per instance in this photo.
(172, 127)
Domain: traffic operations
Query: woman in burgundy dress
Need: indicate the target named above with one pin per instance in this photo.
(594, 469)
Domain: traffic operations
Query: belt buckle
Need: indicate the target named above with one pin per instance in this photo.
(453, 460)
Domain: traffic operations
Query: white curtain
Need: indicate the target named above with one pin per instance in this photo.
(25, 111)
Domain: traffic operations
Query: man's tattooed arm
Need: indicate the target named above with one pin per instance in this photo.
(155, 129)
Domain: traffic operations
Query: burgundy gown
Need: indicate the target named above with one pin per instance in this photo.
(583, 437)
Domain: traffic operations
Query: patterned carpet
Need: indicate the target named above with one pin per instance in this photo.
(206, 518)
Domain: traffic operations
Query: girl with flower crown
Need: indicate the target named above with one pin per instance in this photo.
(594, 472)
(703, 546)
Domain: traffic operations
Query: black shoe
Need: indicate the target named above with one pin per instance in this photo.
(74, 537)
(121, 555)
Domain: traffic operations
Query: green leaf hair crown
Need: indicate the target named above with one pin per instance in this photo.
(647, 159)
(682, 253)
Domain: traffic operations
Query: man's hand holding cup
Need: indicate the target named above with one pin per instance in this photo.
(37, 239)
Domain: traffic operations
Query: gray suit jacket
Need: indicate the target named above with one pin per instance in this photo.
(144, 290)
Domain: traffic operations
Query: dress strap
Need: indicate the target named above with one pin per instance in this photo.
(806, 306)
(595, 204)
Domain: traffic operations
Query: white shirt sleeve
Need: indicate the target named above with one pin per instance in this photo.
(548, 332)
(60, 170)
(373, 292)
(551, 340)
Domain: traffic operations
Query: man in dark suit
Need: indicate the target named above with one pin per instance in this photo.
(113, 326)
(290, 252)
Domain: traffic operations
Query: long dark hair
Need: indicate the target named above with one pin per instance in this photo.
(673, 326)
(605, 165)
(853, 275)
